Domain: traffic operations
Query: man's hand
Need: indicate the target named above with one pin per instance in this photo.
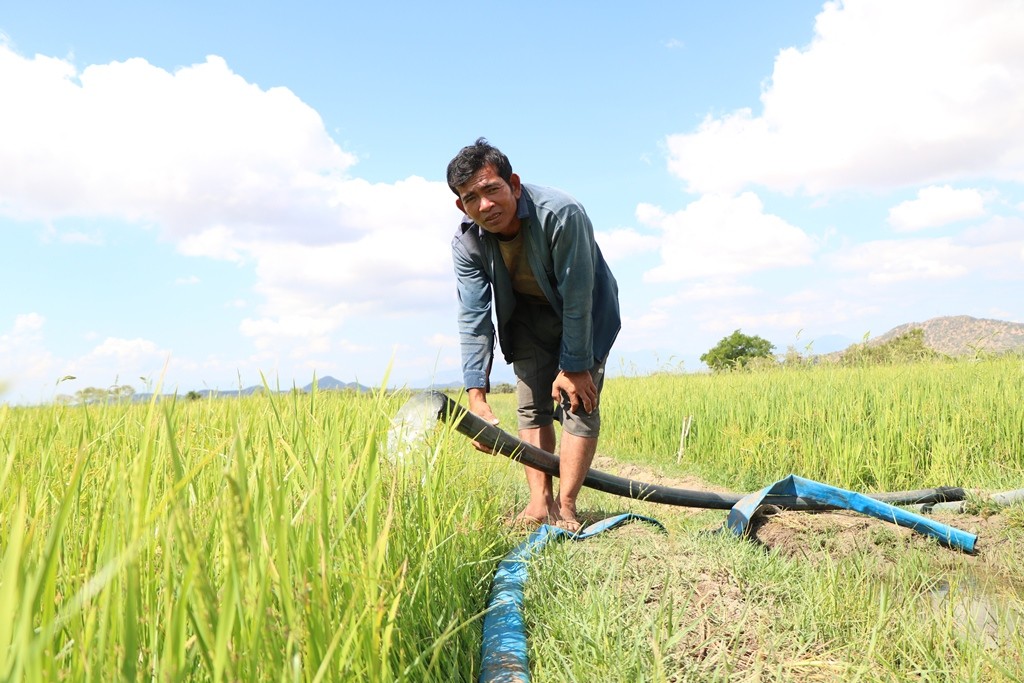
(579, 387)
(478, 406)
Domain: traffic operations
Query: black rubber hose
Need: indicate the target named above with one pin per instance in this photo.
(502, 442)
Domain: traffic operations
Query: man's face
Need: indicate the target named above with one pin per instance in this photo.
(490, 201)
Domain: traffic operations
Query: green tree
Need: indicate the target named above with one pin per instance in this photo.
(736, 350)
(90, 395)
(121, 392)
(906, 348)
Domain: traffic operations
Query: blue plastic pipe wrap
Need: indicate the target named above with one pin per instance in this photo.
(504, 641)
(744, 510)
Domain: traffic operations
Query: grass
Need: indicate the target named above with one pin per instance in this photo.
(281, 538)
(868, 428)
(815, 597)
(266, 538)
(705, 607)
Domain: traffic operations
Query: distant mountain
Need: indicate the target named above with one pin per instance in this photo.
(959, 335)
(323, 384)
(330, 384)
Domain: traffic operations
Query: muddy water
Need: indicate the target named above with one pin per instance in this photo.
(981, 605)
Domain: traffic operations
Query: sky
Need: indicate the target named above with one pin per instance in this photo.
(195, 194)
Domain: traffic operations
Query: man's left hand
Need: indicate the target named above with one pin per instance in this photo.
(579, 387)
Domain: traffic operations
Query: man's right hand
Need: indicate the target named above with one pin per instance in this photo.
(478, 406)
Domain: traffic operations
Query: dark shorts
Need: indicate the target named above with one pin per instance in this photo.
(536, 345)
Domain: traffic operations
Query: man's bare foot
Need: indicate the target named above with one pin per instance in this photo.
(524, 523)
(538, 515)
(570, 525)
(567, 517)
(524, 516)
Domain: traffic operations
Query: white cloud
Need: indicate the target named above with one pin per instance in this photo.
(617, 245)
(723, 236)
(637, 330)
(292, 326)
(225, 170)
(706, 290)
(439, 340)
(130, 350)
(294, 334)
(117, 360)
(188, 150)
(725, 321)
(27, 323)
(78, 237)
(990, 250)
(24, 361)
(403, 258)
(709, 291)
(887, 94)
(401, 265)
(937, 205)
(217, 242)
(1001, 231)
(351, 347)
(887, 261)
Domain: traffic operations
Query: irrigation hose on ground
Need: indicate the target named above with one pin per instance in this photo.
(1003, 499)
(492, 437)
(504, 652)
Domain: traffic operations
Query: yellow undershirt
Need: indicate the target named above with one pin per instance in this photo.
(523, 281)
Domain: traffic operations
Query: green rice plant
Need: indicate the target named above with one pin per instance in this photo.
(866, 428)
(700, 606)
(263, 538)
(280, 537)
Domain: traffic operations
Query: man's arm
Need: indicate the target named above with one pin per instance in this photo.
(476, 331)
(573, 252)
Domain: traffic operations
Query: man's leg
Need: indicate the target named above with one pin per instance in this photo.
(542, 504)
(576, 456)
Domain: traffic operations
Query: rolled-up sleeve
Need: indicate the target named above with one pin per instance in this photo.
(573, 253)
(476, 331)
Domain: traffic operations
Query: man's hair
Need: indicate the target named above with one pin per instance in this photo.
(472, 158)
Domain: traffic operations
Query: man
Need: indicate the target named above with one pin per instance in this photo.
(532, 251)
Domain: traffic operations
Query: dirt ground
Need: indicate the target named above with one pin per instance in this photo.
(715, 597)
(840, 535)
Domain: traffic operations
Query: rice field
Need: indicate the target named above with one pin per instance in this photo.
(868, 429)
(286, 538)
(267, 538)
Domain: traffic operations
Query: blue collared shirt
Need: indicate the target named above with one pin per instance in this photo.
(568, 265)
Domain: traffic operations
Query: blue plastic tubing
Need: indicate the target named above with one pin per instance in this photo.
(744, 511)
(504, 657)
(492, 437)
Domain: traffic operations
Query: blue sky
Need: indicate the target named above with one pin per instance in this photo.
(199, 192)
